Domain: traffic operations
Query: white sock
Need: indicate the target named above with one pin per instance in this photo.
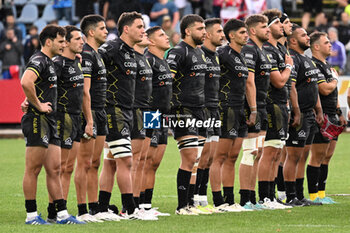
(31, 216)
(281, 195)
(63, 214)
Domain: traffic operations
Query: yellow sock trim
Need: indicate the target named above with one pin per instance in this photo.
(313, 196)
(321, 194)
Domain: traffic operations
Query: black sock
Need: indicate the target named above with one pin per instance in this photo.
(312, 174)
(323, 177)
(93, 208)
(51, 211)
(103, 201)
(60, 205)
(82, 209)
(142, 198)
(183, 183)
(290, 190)
(272, 190)
(263, 190)
(229, 196)
(148, 196)
(252, 197)
(198, 180)
(190, 195)
(280, 180)
(30, 206)
(299, 188)
(245, 196)
(204, 183)
(128, 202)
(217, 198)
(137, 201)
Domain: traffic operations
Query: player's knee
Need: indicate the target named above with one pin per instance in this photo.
(120, 148)
(95, 164)
(125, 163)
(69, 168)
(249, 147)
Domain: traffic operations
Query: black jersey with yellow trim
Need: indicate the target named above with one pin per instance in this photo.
(46, 82)
(259, 63)
(94, 68)
(212, 77)
(121, 73)
(305, 75)
(143, 87)
(234, 74)
(283, 49)
(328, 102)
(189, 66)
(70, 84)
(162, 84)
(276, 95)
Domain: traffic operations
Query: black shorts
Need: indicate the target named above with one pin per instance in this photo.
(158, 136)
(319, 137)
(277, 122)
(261, 120)
(213, 114)
(120, 122)
(233, 123)
(40, 130)
(309, 5)
(187, 115)
(299, 135)
(100, 123)
(138, 132)
(68, 128)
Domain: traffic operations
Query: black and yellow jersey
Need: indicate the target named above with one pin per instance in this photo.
(143, 87)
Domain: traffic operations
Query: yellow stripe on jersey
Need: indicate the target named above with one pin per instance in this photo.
(34, 70)
(321, 81)
(294, 80)
(273, 69)
(251, 70)
(87, 75)
(173, 71)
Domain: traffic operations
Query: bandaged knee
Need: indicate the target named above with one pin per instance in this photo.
(249, 151)
(120, 148)
(188, 143)
(214, 138)
(275, 143)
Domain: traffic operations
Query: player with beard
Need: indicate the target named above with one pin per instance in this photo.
(39, 83)
(277, 112)
(305, 76)
(156, 139)
(214, 38)
(259, 67)
(94, 118)
(321, 49)
(188, 65)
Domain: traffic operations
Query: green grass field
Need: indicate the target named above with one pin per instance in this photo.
(330, 218)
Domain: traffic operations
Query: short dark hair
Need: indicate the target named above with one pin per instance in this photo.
(51, 32)
(272, 13)
(188, 21)
(233, 25)
(69, 30)
(253, 20)
(127, 19)
(90, 22)
(212, 21)
(294, 28)
(315, 36)
(152, 30)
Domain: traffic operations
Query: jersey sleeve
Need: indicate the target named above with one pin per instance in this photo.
(87, 64)
(58, 66)
(174, 60)
(36, 64)
(250, 56)
(106, 52)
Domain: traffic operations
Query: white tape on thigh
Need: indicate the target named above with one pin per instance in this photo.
(249, 148)
(200, 147)
(187, 143)
(208, 140)
(274, 143)
(120, 148)
(105, 154)
(261, 140)
(215, 138)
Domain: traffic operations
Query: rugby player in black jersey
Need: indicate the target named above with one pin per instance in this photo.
(188, 65)
(259, 67)
(304, 77)
(156, 139)
(277, 112)
(214, 38)
(327, 87)
(94, 118)
(39, 83)
(119, 57)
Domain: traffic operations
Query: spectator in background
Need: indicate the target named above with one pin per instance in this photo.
(181, 6)
(166, 26)
(10, 23)
(344, 29)
(147, 6)
(63, 8)
(11, 51)
(161, 9)
(308, 6)
(217, 4)
(321, 22)
(175, 38)
(31, 44)
(337, 59)
(111, 28)
(114, 8)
